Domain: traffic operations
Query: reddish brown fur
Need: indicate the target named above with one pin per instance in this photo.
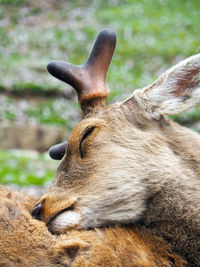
(26, 242)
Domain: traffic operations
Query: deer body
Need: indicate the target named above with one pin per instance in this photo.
(129, 163)
(25, 242)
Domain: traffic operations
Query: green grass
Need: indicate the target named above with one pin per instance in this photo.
(152, 36)
(58, 112)
(25, 168)
(13, 2)
(188, 117)
(54, 112)
(23, 87)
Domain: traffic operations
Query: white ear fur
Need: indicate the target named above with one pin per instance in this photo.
(175, 91)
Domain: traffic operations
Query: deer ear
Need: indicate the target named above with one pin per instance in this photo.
(175, 91)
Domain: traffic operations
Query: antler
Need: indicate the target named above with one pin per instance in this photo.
(89, 79)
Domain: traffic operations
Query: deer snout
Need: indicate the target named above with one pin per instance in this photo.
(57, 212)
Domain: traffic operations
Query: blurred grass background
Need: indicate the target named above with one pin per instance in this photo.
(152, 36)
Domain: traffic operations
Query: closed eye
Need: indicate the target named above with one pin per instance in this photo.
(86, 133)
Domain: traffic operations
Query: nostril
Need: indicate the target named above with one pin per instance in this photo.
(37, 212)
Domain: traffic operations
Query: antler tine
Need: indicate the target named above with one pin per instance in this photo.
(89, 79)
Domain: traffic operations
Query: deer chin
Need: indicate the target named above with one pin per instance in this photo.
(64, 221)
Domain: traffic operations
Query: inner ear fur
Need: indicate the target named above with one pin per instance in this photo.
(175, 91)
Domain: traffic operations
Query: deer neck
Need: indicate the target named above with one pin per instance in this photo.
(185, 145)
(173, 212)
(174, 215)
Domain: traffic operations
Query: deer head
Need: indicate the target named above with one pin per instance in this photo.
(119, 156)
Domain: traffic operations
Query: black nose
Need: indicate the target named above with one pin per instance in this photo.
(37, 212)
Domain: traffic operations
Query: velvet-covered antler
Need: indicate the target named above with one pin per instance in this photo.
(89, 79)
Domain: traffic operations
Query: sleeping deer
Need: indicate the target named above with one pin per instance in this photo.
(26, 242)
(128, 163)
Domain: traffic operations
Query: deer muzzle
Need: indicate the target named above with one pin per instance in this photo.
(58, 213)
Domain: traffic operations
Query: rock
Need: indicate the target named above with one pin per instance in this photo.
(32, 137)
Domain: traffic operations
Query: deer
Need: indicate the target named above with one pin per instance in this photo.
(128, 163)
(25, 241)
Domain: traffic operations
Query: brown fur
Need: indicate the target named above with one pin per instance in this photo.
(26, 242)
(136, 165)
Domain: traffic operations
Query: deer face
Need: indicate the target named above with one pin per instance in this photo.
(101, 164)
(117, 157)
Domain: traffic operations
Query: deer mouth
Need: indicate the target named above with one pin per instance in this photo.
(57, 217)
(64, 220)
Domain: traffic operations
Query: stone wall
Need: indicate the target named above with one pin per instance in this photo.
(31, 137)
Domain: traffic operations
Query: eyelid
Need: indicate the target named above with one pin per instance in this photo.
(86, 133)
